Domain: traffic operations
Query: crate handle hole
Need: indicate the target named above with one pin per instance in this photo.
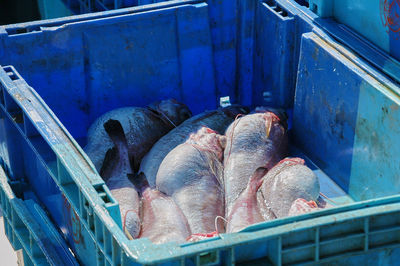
(11, 74)
(208, 258)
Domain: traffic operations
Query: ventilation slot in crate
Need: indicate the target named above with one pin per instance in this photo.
(29, 129)
(16, 31)
(14, 110)
(277, 8)
(10, 72)
(104, 194)
(384, 230)
(2, 94)
(302, 3)
(341, 238)
(99, 228)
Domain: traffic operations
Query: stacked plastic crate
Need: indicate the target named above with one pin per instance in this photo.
(341, 90)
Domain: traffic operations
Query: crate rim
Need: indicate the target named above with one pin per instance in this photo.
(98, 15)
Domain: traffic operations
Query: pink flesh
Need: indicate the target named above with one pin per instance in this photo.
(246, 211)
(207, 139)
(301, 206)
(162, 219)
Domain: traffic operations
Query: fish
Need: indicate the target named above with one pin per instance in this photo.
(192, 174)
(252, 141)
(246, 210)
(115, 171)
(302, 206)
(286, 182)
(217, 120)
(142, 127)
(162, 220)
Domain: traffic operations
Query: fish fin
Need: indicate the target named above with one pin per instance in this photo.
(115, 131)
(134, 166)
(280, 113)
(154, 106)
(222, 141)
(139, 181)
(257, 178)
(109, 163)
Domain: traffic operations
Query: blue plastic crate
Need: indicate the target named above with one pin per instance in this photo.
(366, 27)
(61, 8)
(28, 227)
(377, 20)
(345, 119)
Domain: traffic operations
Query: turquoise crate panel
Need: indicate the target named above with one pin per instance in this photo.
(349, 125)
(28, 227)
(53, 9)
(376, 20)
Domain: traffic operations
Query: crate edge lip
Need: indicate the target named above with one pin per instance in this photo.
(98, 15)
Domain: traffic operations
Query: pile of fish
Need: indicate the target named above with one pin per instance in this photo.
(182, 178)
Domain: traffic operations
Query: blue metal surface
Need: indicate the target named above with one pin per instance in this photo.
(197, 52)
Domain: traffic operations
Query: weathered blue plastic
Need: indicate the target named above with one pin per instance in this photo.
(28, 227)
(60, 8)
(376, 20)
(345, 121)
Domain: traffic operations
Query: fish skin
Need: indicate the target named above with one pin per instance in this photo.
(162, 220)
(217, 120)
(246, 210)
(289, 180)
(301, 206)
(142, 127)
(115, 171)
(192, 175)
(253, 141)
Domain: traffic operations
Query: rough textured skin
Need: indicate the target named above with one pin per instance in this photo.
(192, 175)
(287, 181)
(115, 172)
(217, 120)
(246, 211)
(253, 141)
(162, 220)
(142, 127)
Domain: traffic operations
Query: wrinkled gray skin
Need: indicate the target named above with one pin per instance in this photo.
(217, 120)
(192, 175)
(115, 171)
(142, 127)
(282, 185)
(253, 141)
(162, 220)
